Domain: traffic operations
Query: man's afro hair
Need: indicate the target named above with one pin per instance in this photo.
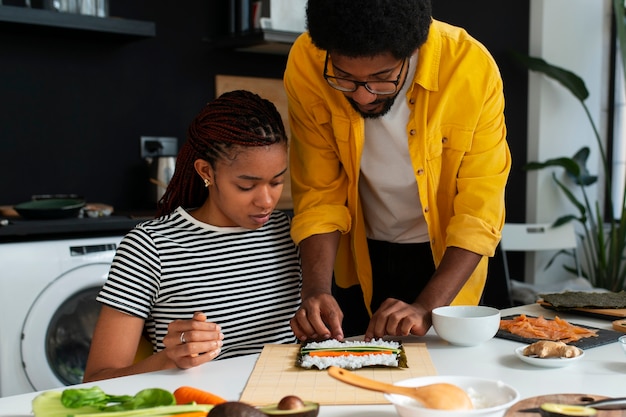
(358, 28)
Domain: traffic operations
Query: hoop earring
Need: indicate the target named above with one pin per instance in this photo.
(207, 182)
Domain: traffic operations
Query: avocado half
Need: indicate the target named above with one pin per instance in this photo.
(564, 410)
(291, 406)
(235, 409)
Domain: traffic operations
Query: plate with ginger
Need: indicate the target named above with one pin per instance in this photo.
(549, 354)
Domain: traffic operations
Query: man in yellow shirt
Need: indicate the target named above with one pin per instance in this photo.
(398, 162)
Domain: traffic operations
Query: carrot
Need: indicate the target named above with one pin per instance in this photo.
(348, 353)
(186, 395)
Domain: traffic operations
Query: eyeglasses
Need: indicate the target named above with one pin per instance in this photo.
(374, 87)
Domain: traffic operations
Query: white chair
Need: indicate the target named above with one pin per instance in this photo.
(523, 237)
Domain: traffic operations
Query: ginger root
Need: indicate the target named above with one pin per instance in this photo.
(550, 349)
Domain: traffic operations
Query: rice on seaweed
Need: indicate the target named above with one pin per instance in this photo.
(352, 354)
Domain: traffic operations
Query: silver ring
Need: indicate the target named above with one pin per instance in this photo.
(182, 338)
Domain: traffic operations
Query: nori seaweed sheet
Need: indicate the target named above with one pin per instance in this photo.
(402, 360)
(581, 299)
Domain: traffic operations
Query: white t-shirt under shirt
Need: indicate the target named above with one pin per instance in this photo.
(247, 281)
(387, 186)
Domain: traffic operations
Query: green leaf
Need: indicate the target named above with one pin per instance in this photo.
(571, 197)
(567, 78)
(570, 165)
(94, 396)
(583, 177)
(49, 404)
(151, 397)
(565, 219)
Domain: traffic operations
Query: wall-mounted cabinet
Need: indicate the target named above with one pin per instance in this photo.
(22, 18)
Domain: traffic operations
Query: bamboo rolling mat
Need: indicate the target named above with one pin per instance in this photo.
(276, 375)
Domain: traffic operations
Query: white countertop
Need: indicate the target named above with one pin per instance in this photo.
(601, 372)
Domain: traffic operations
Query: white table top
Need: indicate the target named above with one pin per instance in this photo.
(601, 372)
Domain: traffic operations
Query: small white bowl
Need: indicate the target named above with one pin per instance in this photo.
(491, 398)
(466, 325)
(547, 362)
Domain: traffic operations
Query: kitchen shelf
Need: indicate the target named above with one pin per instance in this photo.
(260, 41)
(70, 21)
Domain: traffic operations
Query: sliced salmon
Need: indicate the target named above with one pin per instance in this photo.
(544, 329)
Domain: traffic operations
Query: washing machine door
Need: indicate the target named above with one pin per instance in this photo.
(58, 328)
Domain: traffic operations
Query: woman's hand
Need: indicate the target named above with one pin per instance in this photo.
(190, 343)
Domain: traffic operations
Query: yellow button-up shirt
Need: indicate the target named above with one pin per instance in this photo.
(457, 144)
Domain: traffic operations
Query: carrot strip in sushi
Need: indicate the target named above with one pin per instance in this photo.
(330, 353)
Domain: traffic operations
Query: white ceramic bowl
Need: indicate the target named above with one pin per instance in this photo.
(491, 398)
(466, 325)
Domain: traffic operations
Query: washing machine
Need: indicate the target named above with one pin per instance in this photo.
(48, 309)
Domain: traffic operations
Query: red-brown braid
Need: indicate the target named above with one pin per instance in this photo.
(233, 120)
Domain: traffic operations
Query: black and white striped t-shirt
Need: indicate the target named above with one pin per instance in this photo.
(247, 281)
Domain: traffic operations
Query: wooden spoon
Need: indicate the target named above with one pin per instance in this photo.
(441, 396)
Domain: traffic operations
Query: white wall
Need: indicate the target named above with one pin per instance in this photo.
(573, 34)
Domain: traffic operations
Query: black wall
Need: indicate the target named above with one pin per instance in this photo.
(74, 104)
(501, 26)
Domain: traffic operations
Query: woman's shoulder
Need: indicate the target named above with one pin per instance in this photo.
(172, 222)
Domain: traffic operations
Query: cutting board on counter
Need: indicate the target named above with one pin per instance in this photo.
(620, 325)
(601, 313)
(276, 375)
(533, 402)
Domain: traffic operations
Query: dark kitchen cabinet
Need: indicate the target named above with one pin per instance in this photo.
(78, 92)
(24, 19)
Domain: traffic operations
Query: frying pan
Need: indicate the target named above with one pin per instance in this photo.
(50, 208)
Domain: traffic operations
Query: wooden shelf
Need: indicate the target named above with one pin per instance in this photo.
(259, 41)
(69, 21)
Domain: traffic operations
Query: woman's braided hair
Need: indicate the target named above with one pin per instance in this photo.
(234, 120)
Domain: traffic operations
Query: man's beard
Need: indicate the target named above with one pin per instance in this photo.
(387, 104)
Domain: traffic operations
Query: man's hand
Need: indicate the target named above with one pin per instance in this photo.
(318, 318)
(397, 318)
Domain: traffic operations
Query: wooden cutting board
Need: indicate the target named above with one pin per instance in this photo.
(619, 325)
(603, 313)
(562, 399)
(276, 375)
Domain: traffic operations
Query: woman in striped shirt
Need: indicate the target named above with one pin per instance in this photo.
(216, 275)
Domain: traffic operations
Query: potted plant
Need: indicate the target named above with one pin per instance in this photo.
(603, 235)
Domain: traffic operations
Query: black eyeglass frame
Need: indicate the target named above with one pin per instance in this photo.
(364, 84)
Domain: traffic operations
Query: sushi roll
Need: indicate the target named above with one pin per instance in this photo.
(351, 354)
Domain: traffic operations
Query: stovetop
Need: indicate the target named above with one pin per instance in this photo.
(18, 230)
